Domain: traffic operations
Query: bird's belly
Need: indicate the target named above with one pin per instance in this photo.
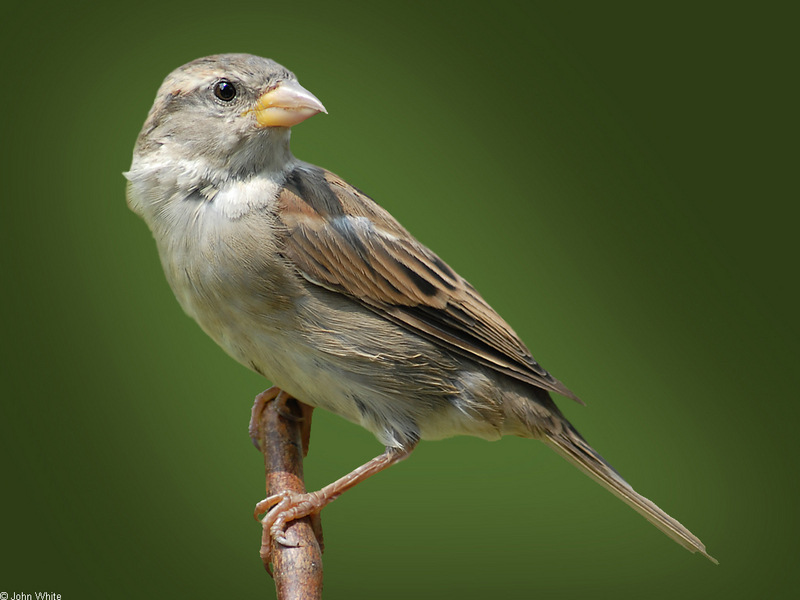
(400, 396)
(342, 385)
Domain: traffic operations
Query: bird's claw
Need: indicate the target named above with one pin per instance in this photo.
(284, 507)
(281, 398)
(254, 429)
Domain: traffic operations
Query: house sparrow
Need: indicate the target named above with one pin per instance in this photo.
(304, 279)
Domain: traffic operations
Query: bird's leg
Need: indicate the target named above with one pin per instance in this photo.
(288, 506)
(305, 433)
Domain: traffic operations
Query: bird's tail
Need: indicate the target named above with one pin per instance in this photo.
(569, 444)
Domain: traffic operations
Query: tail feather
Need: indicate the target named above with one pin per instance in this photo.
(569, 444)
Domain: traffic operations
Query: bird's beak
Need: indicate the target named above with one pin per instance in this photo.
(285, 105)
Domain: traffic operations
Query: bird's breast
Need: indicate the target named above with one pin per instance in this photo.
(228, 273)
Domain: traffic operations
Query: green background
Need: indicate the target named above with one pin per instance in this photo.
(614, 179)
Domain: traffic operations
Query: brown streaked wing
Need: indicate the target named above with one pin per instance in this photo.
(342, 240)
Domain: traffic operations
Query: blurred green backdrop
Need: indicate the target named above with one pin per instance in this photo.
(613, 178)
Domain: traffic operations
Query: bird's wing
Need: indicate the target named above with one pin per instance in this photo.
(339, 239)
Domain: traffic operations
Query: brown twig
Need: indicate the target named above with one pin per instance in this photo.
(297, 569)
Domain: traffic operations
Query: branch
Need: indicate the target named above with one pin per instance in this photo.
(282, 438)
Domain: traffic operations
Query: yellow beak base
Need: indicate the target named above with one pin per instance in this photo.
(285, 105)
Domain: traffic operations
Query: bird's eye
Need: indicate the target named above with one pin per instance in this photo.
(225, 90)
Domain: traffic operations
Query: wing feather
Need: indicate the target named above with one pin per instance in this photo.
(338, 238)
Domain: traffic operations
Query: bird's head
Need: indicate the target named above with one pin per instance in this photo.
(229, 113)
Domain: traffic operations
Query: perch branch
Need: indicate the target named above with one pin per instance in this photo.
(282, 431)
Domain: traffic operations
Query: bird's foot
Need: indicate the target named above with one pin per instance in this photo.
(282, 407)
(254, 429)
(286, 506)
(289, 506)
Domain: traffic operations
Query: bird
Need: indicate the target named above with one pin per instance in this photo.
(305, 280)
